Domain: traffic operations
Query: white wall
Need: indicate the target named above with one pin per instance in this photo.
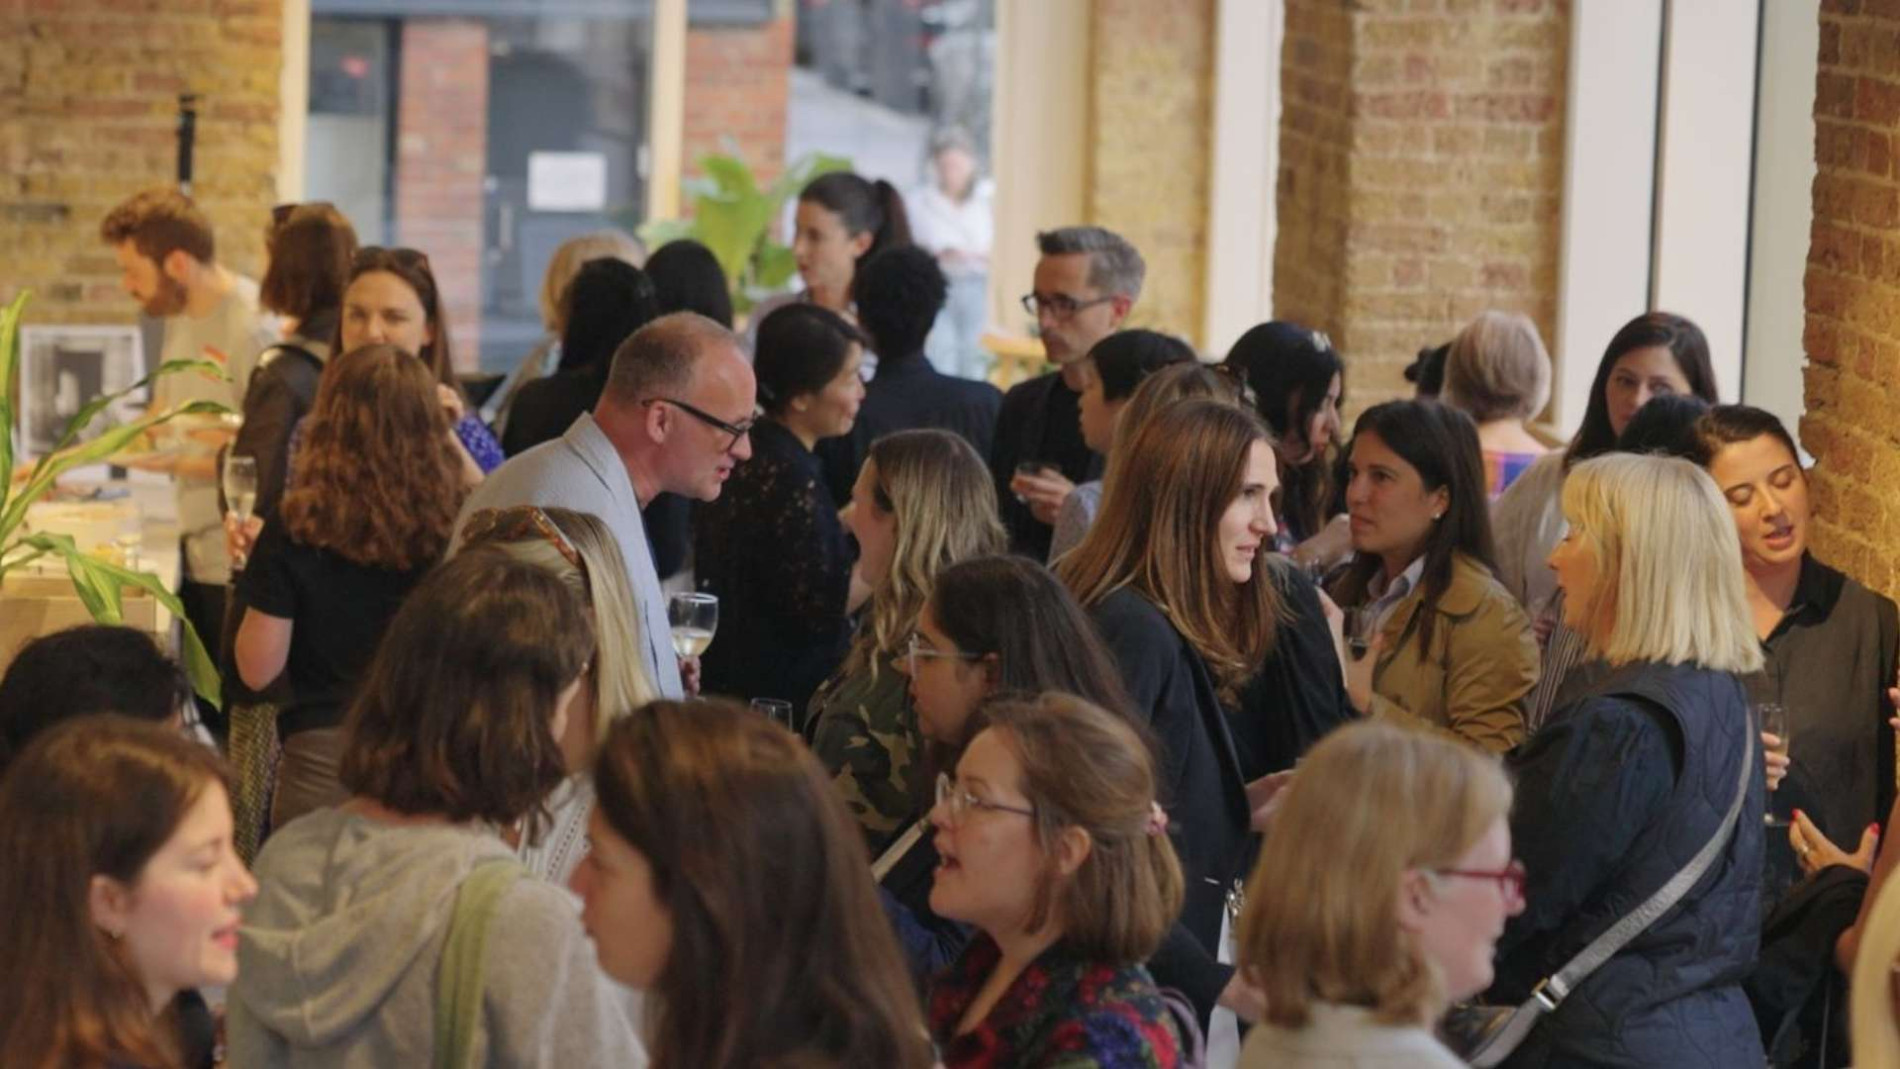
(1242, 219)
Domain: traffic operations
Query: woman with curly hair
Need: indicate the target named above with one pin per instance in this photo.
(372, 502)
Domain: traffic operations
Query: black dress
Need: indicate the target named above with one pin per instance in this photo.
(908, 394)
(772, 548)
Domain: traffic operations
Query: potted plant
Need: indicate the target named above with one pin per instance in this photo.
(736, 219)
(99, 583)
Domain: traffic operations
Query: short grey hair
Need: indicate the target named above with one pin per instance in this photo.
(1115, 266)
(1497, 368)
(662, 357)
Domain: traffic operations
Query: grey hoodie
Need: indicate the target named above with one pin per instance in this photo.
(338, 953)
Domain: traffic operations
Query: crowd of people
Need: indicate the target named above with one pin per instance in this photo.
(1143, 716)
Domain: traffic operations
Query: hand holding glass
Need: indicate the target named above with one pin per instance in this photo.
(1773, 720)
(240, 491)
(694, 618)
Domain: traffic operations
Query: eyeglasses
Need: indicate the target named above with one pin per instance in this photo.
(914, 648)
(1059, 306)
(1510, 879)
(520, 523)
(737, 430)
(956, 802)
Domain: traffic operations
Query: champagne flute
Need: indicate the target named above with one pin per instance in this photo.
(694, 619)
(1773, 718)
(240, 491)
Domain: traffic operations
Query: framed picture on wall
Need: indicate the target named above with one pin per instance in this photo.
(64, 367)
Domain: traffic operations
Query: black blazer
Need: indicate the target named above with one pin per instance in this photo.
(544, 409)
(1201, 784)
(1020, 435)
(909, 394)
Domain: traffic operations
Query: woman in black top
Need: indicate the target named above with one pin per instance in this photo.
(1175, 573)
(772, 546)
(374, 497)
(607, 300)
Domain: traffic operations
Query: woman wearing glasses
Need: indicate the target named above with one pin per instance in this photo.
(1361, 929)
(577, 548)
(771, 545)
(1637, 774)
(371, 504)
(1054, 847)
(993, 625)
(922, 502)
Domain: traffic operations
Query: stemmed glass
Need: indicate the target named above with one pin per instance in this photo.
(1773, 718)
(694, 619)
(240, 491)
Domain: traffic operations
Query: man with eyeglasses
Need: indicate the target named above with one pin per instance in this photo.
(1086, 281)
(675, 418)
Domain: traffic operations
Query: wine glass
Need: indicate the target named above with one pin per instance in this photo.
(776, 710)
(240, 491)
(694, 618)
(1773, 718)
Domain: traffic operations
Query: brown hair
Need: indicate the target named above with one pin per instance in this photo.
(1168, 484)
(945, 504)
(1086, 768)
(412, 267)
(377, 481)
(779, 901)
(159, 222)
(1371, 801)
(95, 796)
(1497, 368)
(310, 253)
(456, 714)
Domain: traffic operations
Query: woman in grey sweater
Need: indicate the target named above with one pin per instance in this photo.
(400, 921)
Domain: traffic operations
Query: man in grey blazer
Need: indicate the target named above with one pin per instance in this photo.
(674, 417)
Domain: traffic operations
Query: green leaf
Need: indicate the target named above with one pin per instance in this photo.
(800, 173)
(112, 441)
(773, 266)
(87, 413)
(9, 358)
(731, 175)
(658, 232)
(100, 585)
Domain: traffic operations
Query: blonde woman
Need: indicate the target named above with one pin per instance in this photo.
(1498, 373)
(577, 548)
(1874, 1024)
(1360, 930)
(1635, 775)
(923, 501)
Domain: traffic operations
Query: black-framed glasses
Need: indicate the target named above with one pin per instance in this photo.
(956, 801)
(915, 649)
(737, 430)
(1510, 879)
(1059, 306)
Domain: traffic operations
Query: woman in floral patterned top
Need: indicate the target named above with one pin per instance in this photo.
(1053, 846)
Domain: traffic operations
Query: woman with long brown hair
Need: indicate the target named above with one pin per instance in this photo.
(121, 891)
(370, 509)
(1174, 574)
(724, 863)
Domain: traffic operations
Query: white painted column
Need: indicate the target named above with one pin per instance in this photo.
(666, 110)
(1245, 156)
(293, 101)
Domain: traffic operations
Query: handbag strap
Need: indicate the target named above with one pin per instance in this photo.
(459, 976)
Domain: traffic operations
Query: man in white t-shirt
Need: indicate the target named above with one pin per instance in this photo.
(168, 263)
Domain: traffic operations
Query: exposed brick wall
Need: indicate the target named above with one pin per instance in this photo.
(441, 161)
(1152, 127)
(738, 87)
(1852, 335)
(1427, 186)
(88, 114)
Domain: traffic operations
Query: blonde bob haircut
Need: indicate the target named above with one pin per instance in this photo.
(1669, 585)
(1498, 368)
(566, 263)
(1876, 1033)
(1371, 803)
(940, 492)
(1086, 768)
(1167, 485)
(550, 538)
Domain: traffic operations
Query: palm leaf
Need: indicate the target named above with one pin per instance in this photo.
(115, 439)
(9, 356)
(101, 584)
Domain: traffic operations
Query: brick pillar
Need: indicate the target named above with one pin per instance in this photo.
(1852, 336)
(441, 161)
(1153, 115)
(738, 88)
(88, 110)
(1421, 173)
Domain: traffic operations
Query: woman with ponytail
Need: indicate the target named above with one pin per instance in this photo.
(841, 220)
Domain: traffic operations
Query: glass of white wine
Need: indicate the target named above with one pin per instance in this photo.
(240, 490)
(1773, 718)
(694, 619)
